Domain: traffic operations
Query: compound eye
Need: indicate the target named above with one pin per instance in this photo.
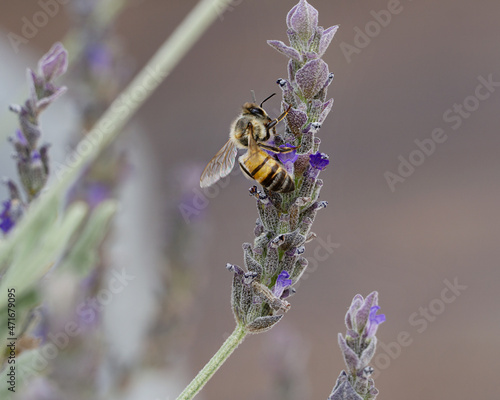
(257, 111)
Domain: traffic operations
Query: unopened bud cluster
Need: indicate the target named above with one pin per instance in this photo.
(358, 347)
(31, 157)
(275, 261)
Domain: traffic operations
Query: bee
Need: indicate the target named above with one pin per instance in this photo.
(251, 130)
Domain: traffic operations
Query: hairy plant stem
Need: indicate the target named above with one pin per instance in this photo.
(227, 348)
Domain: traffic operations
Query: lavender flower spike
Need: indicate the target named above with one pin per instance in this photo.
(358, 348)
(284, 220)
(275, 262)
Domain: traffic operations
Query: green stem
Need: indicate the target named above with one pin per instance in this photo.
(231, 343)
(150, 77)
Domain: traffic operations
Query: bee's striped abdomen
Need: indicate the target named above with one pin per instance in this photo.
(269, 173)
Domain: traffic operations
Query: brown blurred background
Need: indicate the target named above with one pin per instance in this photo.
(439, 224)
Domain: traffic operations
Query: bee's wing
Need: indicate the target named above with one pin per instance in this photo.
(219, 166)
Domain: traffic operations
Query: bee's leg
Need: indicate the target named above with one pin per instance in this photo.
(249, 129)
(252, 143)
(275, 149)
(240, 128)
(280, 118)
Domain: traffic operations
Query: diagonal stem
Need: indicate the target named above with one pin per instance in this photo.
(231, 343)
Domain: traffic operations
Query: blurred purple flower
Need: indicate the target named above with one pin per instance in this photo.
(20, 139)
(319, 160)
(20, 143)
(97, 192)
(6, 222)
(99, 57)
(282, 283)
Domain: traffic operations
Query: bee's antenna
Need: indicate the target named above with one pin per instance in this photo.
(266, 99)
(253, 96)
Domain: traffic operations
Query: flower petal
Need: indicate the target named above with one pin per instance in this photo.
(361, 318)
(262, 324)
(289, 157)
(367, 354)
(326, 110)
(326, 38)
(288, 91)
(350, 357)
(46, 101)
(311, 77)
(319, 160)
(6, 222)
(344, 391)
(296, 120)
(303, 19)
(282, 283)
(54, 63)
(374, 321)
(290, 52)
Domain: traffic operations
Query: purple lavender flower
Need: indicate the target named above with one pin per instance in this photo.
(282, 283)
(373, 322)
(319, 160)
(289, 157)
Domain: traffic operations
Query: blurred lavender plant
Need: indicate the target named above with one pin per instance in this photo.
(275, 263)
(95, 84)
(99, 75)
(358, 348)
(32, 159)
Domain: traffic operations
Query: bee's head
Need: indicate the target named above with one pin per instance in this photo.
(255, 110)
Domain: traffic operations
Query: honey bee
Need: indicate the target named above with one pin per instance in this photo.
(251, 130)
